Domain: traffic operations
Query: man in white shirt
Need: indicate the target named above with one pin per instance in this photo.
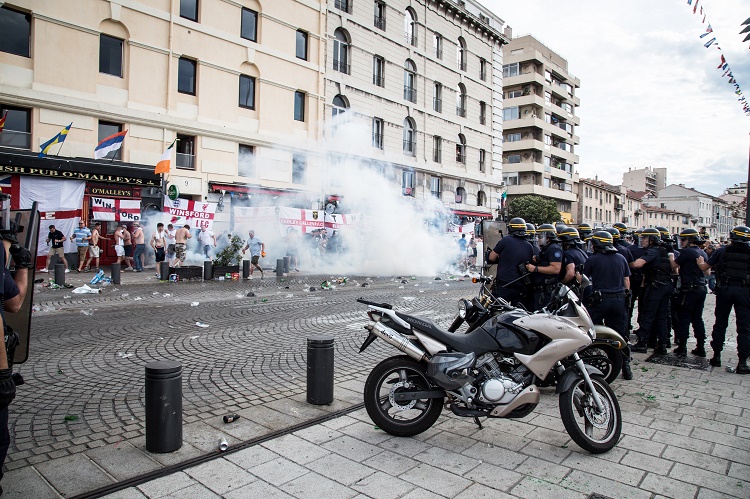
(207, 240)
(171, 231)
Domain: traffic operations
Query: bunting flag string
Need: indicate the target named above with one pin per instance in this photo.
(723, 64)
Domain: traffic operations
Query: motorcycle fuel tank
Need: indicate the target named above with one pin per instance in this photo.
(510, 340)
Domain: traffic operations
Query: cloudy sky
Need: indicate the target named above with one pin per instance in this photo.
(651, 93)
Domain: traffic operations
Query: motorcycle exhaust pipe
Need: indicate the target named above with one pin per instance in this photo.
(398, 340)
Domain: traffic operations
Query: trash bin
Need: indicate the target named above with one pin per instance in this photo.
(286, 264)
(163, 271)
(163, 406)
(60, 274)
(280, 267)
(245, 269)
(320, 370)
(115, 271)
(208, 270)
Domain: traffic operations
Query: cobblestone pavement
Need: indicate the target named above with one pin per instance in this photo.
(78, 424)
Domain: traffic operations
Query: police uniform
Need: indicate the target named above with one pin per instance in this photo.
(607, 272)
(691, 298)
(8, 290)
(513, 251)
(636, 283)
(654, 314)
(544, 284)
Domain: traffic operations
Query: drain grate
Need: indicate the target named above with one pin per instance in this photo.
(686, 362)
(598, 496)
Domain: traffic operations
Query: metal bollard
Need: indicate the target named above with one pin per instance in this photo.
(60, 274)
(320, 370)
(279, 267)
(163, 271)
(163, 406)
(287, 259)
(115, 271)
(208, 270)
(245, 269)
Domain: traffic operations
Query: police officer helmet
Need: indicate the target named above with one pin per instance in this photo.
(559, 227)
(530, 232)
(664, 233)
(517, 227)
(585, 229)
(740, 235)
(691, 236)
(546, 233)
(653, 235)
(602, 241)
(620, 227)
(569, 235)
(614, 232)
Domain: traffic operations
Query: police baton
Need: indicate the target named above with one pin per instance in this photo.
(515, 280)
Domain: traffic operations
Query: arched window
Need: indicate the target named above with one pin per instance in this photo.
(410, 81)
(460, 195)
(410, 137)
(410, 27)
(461, 149)
(341, 51)
(340, 105)
(461, 54)
(461, 100)
(481, 198)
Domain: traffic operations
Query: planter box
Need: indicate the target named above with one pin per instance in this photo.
(187, 273)
(223, 270)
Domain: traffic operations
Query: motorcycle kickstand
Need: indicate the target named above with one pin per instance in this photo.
(478, 423)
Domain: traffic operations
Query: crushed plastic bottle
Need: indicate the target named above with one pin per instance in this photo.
(87, 311)
(195, 304)
(123, 355)
(201, 324)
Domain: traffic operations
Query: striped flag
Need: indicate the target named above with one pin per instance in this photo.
(164, 162)
(57, 139)
(2, 121)
(111, 143)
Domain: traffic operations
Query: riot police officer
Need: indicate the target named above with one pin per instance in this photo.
(674, 304)
(531, 236)
(636, 278)
(573, 256)
(692, 292)
(511, 253)
(732, 264)
(657, 272)
(610, 280)
(616, 243)
(545, 267)
(584, 232)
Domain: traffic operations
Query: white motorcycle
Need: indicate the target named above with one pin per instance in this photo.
(492, 371)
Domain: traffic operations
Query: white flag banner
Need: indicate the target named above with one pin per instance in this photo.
(116, 210)
(462, 229)
(305, 220)
(194, 213)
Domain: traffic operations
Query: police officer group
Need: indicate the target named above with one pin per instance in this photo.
(666, 277)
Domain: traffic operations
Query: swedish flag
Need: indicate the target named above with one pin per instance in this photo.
(57, 139)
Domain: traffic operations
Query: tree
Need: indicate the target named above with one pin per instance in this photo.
(534, 209)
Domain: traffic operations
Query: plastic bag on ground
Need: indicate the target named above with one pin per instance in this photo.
(85, 289)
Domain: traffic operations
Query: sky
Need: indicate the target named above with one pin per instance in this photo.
(651, 93)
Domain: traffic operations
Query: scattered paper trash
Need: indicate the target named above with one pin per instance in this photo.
(194, 337)
(85, 289)
(124, 355)
(195, 304)
(137, 298)
(87, 311)
(201, 324)
(125, 295)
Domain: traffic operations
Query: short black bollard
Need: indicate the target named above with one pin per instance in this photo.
(208, 270)
(320, 370)
(163, 406)
(115, 271)
(287, 259)
(279, 267)
(60, 274)
(163, 271)
(245, 269)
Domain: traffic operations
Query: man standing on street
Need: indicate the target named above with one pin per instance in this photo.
(207, 240)
(158, 243)
(692, 295)
(257, 251)
(82, 236)
(171, 231)
(546, 267)
(511, 253)
(139, 238)
(55, 239)
(94, 249)
(180, 245)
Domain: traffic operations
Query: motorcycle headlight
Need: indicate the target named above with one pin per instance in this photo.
(463, 308)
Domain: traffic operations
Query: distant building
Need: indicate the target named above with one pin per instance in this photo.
(601, 204)
(673, 221)
(709, 214)
(645, 179)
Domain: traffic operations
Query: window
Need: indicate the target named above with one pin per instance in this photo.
(17, 130)
(186, 72)
(249, 29)
(481, 198)
(461, 149)
(299, 168)
(247, 92)
(437, 44)
(460, 195)
(513, 94)
(106, 129)
(482, 69)
(437, 100)
(511, 179)
(437, 149)
(185, 155)
(510, 113)
(345, 5)
(512, 137)
(407, 182)
(16, 32)
(341, 51)
(547, 97)
(380, 11)
(299, 106)
(246, 162)
(301, 48)
(189, 9)
(410, 137)
(482, 113)
(410, 76)
(461, 54)
(510, 70)
(482, 156)
(545, 182)
(461, 100)
(378, 71)
(435, 187)
(110, 55)
(410, 27)
(513, 158)
(378, 128)
(340, 105)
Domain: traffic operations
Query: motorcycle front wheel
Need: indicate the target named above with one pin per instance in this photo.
(402, 419)
(594, 431)
(605, 358)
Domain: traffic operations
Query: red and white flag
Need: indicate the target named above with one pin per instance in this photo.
(116, 210)
(187, 212)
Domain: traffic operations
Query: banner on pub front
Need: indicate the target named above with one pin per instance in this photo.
(304, 221)
(193, 213)
(116, 210)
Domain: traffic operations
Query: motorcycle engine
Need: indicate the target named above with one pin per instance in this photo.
(498, 385)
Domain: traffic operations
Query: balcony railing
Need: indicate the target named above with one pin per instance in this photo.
(341, 66)
(437, 105)
(461, 111)
(185, 161)
(410, 147)
(15, 139)
(410, 38)
(378, 80)
(483, 75)
(481, 166)
(461, 157)
(380, 22)
(377, 140)
(410, 93)
(462, 65)
(437, 156)
(345, 5)
(439, 53)
(482, 120)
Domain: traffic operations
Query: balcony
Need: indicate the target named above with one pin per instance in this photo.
(345, 5)
(15, 139)
(185, 161)
(410, 148)
(410, 93)
(380, 22)
(342, 66)
(461, 111)
(437, 105)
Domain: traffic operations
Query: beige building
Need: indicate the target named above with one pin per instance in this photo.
(673, 221)
(539, 123)
(601, 204)
(647, 179)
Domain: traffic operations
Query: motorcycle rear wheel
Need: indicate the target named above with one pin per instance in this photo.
(592, 431)
(605, 358)
(407, 419)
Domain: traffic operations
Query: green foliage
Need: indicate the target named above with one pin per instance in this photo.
(534, 209)
(231, 255)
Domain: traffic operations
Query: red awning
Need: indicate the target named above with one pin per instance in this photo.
(472, 214)
(245, 189)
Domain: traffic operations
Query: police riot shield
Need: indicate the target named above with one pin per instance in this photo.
(492, 232)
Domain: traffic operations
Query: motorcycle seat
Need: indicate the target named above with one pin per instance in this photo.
(477, 341)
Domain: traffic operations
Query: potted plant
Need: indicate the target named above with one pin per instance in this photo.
(228, 259)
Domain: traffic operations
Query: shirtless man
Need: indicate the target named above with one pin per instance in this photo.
(159, 243)
(94, 249)
(127, 243)
(180, 244)
(139, 238)
(120, 246)
(170, 244)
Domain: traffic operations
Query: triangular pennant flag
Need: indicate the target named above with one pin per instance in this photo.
(723, 61)
(710, 42)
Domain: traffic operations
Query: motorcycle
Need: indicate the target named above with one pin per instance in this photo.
(607, 351)
(492, 371)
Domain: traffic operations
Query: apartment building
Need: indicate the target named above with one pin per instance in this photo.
(539, 123)
(673, 221)
(707, 213)
(647, 179)
(601, 204)
(422, 82)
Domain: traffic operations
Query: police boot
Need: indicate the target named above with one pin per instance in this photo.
(699, 350)
(742, 367)
(681, 348)
(661, 349)
(627, 373)
(716, 359)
